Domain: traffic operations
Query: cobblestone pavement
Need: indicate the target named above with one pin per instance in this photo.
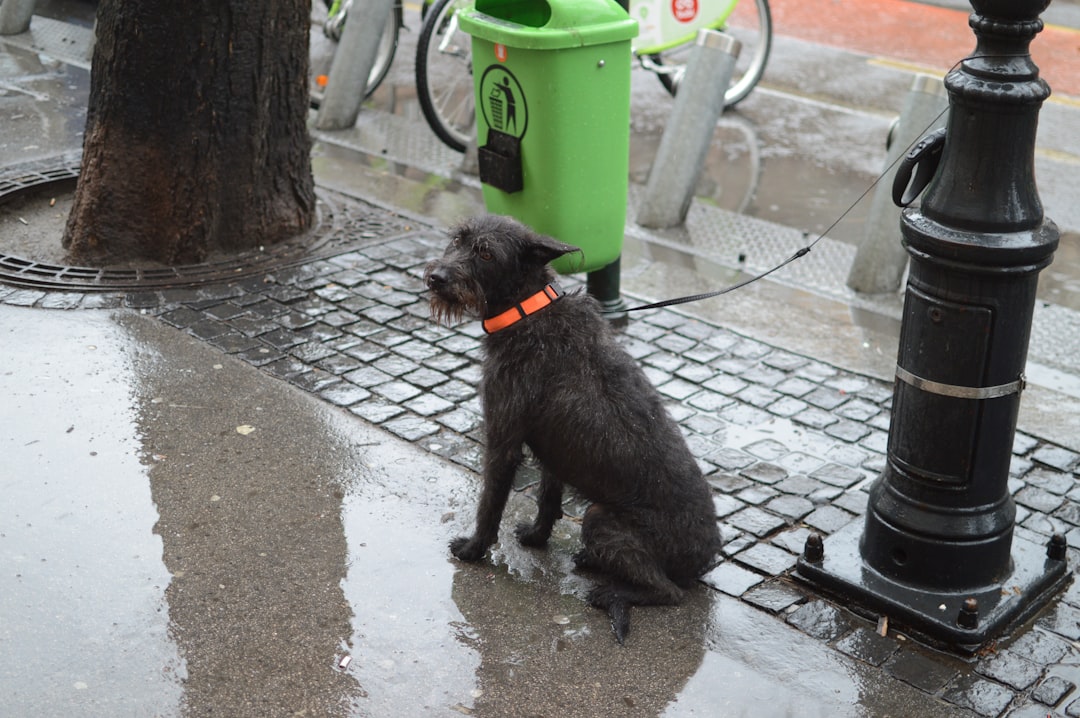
(790, 444)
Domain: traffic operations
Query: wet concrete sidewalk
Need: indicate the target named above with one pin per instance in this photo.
(234, 498)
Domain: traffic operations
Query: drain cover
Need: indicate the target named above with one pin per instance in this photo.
(341, 225)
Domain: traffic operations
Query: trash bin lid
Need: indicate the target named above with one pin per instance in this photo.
(548, 24)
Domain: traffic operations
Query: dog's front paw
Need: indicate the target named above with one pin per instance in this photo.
(528, 535)
(467, 549)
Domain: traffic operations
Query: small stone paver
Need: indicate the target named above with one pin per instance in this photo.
(1057, 457)
(376, 411)
(764, 472)
(428, 405)
(767, 559)
(727, 483)
(1062, 619)
(462, 421)
(773, 596)
(795, 387)
(867, 645)
(984, 697)
(828, 519)
(1053, 690)
(314, 381)
(767, 449)
(730, 459)
(344, 394)
(1038, 500)
(1042, 647)
(411, 428)
(726, 505)
(851, 431)
(837, 475)
(1011, 669)
(757, 522)
(790, 507)
(825, 398)
(731, 579)
(815, 418)
(821, 619)
(756, 495)
(918, 669)
(725, 384)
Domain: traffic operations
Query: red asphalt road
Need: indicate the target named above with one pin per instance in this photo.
(930, 37)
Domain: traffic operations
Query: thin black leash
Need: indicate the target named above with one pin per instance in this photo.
(804, 250)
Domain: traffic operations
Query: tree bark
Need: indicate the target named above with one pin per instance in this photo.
(196, 138)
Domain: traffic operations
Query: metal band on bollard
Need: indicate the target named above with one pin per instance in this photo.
(960, 392)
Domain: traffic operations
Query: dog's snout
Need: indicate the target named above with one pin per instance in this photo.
(436, 278)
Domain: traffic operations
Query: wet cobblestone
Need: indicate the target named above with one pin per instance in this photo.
(868, 646)
(788, 443)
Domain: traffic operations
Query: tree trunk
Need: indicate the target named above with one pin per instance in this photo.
(196, 138)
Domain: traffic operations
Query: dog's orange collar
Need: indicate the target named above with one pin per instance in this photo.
(533, 304)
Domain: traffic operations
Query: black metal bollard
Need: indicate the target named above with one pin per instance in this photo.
(937, 550)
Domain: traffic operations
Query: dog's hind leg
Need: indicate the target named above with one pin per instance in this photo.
(631, 573)
(549, 510)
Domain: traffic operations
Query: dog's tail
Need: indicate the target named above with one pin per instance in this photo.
(616, 602)
(619, 611)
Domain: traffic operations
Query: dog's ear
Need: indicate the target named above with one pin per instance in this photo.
(544, 249)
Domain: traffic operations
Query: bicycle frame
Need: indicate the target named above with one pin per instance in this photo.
(664, 24)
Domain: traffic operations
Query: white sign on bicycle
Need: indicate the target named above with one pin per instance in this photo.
(663, 23)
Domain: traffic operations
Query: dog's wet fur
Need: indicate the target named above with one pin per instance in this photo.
(557, 382)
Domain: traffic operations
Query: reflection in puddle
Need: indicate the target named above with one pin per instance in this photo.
(511, 635)
(248, 481)
(412, 650)
(82, 591)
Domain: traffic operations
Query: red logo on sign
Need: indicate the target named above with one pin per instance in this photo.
(500, 49)
(684, 10)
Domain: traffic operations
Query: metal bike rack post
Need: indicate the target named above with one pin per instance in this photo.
(353, 60)
(15, 16)
(686, 138)
(937, 551)
(881, 258)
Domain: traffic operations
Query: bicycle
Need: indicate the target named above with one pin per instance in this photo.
(667, 29)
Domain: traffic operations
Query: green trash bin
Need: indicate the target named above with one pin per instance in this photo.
(552, 81)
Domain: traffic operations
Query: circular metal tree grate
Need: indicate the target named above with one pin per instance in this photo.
(340, 226)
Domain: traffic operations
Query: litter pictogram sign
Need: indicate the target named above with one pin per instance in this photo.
(502, 100)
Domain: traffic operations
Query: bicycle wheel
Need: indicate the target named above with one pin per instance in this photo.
(444, 82)
(384, 56)
(751, 25)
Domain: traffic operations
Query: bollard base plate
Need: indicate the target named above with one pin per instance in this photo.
(931, 614)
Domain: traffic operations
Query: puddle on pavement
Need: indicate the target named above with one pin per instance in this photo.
(82, 593)
(296, 535)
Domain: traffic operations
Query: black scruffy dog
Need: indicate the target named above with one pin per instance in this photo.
(555, 380)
